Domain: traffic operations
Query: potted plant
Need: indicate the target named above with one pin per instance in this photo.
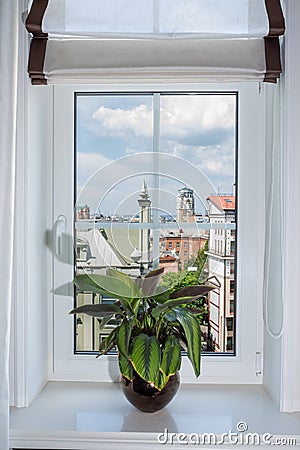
(155, 324)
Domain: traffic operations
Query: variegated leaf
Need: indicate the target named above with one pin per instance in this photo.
(191, 327)
(125, 366)
(171, 357)
(145, 357)
(123, 337)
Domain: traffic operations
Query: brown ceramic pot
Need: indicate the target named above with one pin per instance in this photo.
(147, 398)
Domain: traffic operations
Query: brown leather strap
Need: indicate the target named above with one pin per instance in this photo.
(272, 47)
(273, 63)
(276, 19)
(38, 43)
(35, 17)
(36, 60)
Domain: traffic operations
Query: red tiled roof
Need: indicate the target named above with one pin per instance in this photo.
(224, 202)
(167, 258)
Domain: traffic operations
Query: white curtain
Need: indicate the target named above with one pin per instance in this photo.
(8, 107)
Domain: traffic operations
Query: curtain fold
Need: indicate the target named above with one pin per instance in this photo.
(9, 19)
(76, 42)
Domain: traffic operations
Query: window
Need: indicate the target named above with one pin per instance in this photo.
(229, 324)
(144, 123)
(145, 131)
(231, 286)
(231, 306)
(229, 343)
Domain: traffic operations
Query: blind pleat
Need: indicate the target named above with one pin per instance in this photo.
(72, 42)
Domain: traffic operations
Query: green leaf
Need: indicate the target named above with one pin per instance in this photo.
(150, 282)
(105, 320)
(109, 342)
(123, 337)
(108, 286)
(111, 286)
(162, 294)
(161, 381)
(155, 273)
(135, 291)
(171, 357)
(98, 310)
(191, 327)
(125, 366)
(145, 357)
(192, 291)
(171, 304)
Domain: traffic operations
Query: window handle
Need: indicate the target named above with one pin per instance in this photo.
(60, 227)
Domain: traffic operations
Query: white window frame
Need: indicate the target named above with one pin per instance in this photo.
(244, 366)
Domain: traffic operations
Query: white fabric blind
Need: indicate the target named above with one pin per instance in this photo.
(216, 18)
(202, 39)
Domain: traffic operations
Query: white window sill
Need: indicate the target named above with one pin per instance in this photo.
(75, 415)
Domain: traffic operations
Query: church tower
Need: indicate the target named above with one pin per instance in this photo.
(185, 205)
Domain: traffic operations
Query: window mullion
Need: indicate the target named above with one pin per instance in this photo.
(156, 180)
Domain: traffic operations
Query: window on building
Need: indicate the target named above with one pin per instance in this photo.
(229, 343)
(232, 248)
(229, 324)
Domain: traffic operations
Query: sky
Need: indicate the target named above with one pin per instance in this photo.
(114, 146)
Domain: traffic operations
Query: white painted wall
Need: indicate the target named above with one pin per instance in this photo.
(290, 384)
(31, 268)
(272, 292)
(38, 208)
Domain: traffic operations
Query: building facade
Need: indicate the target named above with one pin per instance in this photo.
(221, 271)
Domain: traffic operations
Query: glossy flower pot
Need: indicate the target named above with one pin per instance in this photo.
(146, 397)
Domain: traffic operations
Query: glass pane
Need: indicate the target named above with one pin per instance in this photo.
(146, 200)
(199, 131)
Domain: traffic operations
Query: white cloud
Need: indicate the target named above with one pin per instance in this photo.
(181, 116)
(137, 120)
(213, 160)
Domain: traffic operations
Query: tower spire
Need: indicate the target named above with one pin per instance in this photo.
(145, 217)
(144, 192)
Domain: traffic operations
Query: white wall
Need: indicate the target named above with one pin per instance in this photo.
(31, 267)
(290, 384)
(38, 207)
(272, 292)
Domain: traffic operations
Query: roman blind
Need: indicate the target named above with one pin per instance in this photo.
(213, 40)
